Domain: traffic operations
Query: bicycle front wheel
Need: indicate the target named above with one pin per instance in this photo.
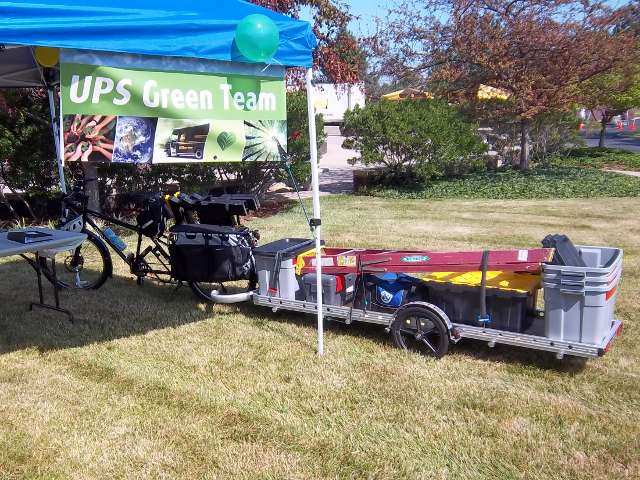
(87, 267)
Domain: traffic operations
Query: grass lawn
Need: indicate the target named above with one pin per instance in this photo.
(151, 383)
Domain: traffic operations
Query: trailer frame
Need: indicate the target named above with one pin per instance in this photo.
(457, 331)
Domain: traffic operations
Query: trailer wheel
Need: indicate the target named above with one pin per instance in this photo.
(419, 329)
(199, 154)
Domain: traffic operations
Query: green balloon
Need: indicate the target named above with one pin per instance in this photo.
(257, 38)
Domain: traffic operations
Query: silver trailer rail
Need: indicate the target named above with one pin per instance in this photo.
(457, 331)
(536, 342)
(347, 314)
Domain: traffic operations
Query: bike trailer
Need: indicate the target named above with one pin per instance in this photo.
(430, 298)
(210, 253)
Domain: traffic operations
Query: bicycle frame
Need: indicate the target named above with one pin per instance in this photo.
(136, 261)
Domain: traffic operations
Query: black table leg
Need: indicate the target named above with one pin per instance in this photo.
(56, 294)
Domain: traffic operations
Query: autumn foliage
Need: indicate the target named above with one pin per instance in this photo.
(538, 51)
(338, 53)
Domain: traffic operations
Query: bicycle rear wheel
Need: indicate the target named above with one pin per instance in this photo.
(86, 268)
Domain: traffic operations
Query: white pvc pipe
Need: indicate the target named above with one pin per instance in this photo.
(56, 124)
(315, 182)
(229, 299)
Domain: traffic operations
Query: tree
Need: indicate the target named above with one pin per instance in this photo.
(538, 51)
(631, 19)
(612, 94)
(337, 55)
(27, 156)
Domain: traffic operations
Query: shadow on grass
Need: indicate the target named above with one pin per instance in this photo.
(277, 204)
(506, 354)
(122, 309)
(475, 349)
(119, 309)
(373, 333)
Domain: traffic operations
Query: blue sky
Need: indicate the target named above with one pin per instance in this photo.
(367, 10)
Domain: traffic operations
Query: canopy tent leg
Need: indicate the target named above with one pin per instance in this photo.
(315, 221)
(56, 125)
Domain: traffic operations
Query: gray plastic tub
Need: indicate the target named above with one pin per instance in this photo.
(604, 265)
(580, 301)
(285, 252)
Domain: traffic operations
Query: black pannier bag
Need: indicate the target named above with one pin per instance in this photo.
(153, 218)
(211, 253)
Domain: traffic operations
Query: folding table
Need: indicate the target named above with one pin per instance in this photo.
(57, 241)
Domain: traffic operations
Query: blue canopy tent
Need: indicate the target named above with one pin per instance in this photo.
(151, 29)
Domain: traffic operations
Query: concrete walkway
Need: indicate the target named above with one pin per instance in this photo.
(624, 172)
(336, 180)
(332, 182)
(336, 174)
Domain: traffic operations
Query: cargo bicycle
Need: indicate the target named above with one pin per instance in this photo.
(165, 223)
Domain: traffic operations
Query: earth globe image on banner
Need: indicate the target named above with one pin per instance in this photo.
(134, 140)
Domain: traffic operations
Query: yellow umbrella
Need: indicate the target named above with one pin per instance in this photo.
(485, 92)
(408, 93)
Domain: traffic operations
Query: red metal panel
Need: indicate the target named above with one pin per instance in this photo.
(376, 261)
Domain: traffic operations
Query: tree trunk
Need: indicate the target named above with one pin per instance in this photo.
(3, 182)
(524, 144)
(4, 200)
(23, 200)
(91, 185)
(603, 131)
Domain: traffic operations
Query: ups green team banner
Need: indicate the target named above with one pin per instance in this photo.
(140, 116)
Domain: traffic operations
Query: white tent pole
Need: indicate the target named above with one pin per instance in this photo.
(315, 182)
(56, 124)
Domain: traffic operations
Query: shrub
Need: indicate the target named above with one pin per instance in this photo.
(549, 134)
(509, 183)
(413, 140)
(27, 154)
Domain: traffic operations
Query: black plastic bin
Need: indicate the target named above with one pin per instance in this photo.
(210, 253)
(509, 311)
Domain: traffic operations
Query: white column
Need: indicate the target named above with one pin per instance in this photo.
(315, 182)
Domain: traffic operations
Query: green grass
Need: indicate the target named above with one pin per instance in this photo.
(550, 182)
(151, 383)
(611, 158)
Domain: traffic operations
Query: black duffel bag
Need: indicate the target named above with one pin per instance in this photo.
(211, 253)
